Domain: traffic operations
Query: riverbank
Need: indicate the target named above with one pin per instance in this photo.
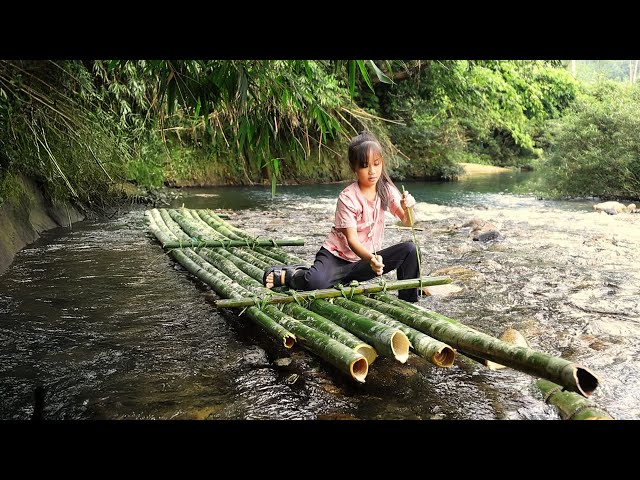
(25, 218)
(477, 169)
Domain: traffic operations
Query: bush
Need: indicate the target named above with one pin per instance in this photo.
(595, 149)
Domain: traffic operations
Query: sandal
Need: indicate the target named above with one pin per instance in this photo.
(277, 270)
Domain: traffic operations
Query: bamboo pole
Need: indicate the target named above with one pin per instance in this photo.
(219, 224)
(330, 341)
(314, 320)
(230, 231)
(351, 361)
(230, 243)
(334, 292)
(288, 339)
(436, 352)
(331, 329)
(347, 359)
(223, 286)
(389, 341)
(570, 405)
(558, 370)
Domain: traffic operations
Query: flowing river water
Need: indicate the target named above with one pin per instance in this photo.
(109, 327)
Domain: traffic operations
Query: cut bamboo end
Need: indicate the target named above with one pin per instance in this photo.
(586, 381)
(400, 346)
(368, 352)
(359, 369)
(444, 357)
(288, 341)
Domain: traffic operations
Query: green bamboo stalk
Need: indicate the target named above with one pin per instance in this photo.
(172, 225)
(389, 341)
(343, 357)
(333, 292)
(192, 231)
(436, 352)
(279, 255)
(251, 256)
(326, 349)
(224, 286)
(205, 230)
(228, 289)
(352, 357)
(570, 405)
(234, 254)
(306, 316)
(229, 243)
(218, 223)
(558, 370)
(334, 331)
(393, 300)
(229, 268)
(187, 224)
(229, 231)
(153, 228)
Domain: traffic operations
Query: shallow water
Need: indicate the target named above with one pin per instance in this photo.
(115, 329)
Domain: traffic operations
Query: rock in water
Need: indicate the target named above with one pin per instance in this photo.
(510, 335)
(440, 290)
(612, 208)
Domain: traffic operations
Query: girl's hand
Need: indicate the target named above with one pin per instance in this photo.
(376, 264)
(407, 200)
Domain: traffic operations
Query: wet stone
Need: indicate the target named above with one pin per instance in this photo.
(255, 356)
(282, 362)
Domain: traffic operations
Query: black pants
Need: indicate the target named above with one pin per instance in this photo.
(328, 270)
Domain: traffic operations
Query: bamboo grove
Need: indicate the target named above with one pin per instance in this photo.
(93, 131)
(348, 326)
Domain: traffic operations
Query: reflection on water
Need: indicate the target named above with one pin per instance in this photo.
(115, 329)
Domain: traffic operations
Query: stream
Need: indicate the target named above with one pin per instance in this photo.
(110, 327)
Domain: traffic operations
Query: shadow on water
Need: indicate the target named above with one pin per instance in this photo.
(98, 323)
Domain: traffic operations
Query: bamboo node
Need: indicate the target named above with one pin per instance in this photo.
(580, 410)
(555, 389)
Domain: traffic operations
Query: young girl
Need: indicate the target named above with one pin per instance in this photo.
(352, 248)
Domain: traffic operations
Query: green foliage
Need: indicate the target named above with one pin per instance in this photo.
(53, 128)
(84, 128)
(476, 110)
(253, 109)
(595, 149)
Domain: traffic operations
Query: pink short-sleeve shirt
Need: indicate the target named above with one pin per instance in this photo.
(354, 210)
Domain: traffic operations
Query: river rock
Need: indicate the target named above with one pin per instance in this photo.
(255, 356)
(282, 362)
(510, 335)
(460, 274)
(613, 208)
(441, 290)
(481, 230)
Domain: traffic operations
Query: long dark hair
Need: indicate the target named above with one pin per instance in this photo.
(360, 147)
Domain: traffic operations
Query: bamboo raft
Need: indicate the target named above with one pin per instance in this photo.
(347, 326)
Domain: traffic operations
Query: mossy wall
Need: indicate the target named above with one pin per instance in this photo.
(24, 216)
